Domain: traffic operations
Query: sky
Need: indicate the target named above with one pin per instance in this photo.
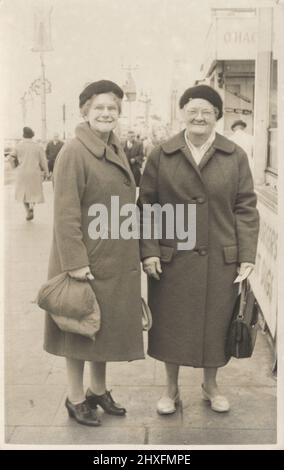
(93, 39)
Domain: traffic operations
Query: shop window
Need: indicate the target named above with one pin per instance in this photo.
(272, 162)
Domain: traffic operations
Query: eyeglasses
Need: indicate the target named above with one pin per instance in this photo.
(207, 113)
(111, 109)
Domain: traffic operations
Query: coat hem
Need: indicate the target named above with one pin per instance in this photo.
(187, 364)
(91, 358)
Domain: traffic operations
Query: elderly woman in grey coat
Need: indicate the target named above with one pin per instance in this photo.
(192, 291)
(90, 170)
(29, 159)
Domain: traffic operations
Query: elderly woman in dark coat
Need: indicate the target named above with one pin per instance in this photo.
(192, 292)
(90, 170)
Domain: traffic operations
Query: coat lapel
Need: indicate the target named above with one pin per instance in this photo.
(100, 149)
(178, 143)
(220, 143)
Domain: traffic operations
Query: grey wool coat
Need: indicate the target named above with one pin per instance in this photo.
(192, 302)
(87, 171)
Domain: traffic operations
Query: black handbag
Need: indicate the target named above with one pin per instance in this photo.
(243, 327)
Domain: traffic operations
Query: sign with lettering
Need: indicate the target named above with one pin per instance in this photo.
(236, 38)
(264, 277)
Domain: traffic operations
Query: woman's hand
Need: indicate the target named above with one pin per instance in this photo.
(244, 271)
(152, 267)
(81, 274)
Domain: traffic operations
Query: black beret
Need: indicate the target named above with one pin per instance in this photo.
(28, 133)
(204, 92)
(96, 88)
(238, 123)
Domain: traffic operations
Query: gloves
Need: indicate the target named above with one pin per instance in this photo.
(81, 274)
(244, 271)
(152, 267)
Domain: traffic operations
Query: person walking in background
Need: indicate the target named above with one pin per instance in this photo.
(52, 149)
(91, 168)
(29, 160)
(243, 139)
(135, 155)
(192, 291)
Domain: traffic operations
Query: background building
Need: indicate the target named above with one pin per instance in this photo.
(243, 63)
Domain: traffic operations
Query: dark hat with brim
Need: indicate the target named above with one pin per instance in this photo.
(96, 88)
(204, 92)
(239, 123)
(28, 133)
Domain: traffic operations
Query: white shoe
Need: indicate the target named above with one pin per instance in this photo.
(167, 405)
(218, 403)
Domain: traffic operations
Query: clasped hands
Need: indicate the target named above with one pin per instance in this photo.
(152, 267)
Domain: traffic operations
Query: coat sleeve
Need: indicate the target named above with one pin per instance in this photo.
(247, 217)
(149, 195)
(69, 186)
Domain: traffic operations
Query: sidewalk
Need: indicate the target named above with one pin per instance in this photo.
(36, 382)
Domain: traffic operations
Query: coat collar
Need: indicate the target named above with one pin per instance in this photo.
(178, 142)
(112, 151)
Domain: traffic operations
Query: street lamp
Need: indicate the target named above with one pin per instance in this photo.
(129, 89)
(42, 44)
(144, 98)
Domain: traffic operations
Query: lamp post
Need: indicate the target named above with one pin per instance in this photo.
(42, 44)
(27, 96)
(130, 91)
(144, 98)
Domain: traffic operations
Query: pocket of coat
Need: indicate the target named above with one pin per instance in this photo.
(231, 254)
(166, 253)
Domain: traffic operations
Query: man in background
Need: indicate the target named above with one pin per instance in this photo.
(52, 149)
(241, 138)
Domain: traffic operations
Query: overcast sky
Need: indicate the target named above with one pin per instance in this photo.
(91, 40)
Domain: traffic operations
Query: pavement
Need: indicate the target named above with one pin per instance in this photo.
(35, 381)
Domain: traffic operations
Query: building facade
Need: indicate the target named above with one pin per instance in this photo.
(243, 64)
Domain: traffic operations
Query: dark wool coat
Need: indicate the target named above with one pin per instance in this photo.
(193, 301)
(136, 152)
(87, 171)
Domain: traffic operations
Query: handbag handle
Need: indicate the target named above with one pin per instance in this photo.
(244, 289)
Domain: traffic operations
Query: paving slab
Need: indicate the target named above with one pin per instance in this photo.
(202, 436)
(32, 404)
(250, 408)
(8, 432)
(77, 435)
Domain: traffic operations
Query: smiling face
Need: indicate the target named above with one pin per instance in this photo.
(103, 113)
(200, 117)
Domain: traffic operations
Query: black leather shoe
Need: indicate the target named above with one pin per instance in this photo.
(106, 402)
(82, 413)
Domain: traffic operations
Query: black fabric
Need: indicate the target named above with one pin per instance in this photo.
(204, 92)
(96, 88)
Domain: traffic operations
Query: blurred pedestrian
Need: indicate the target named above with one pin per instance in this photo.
(31, 163)
(52, 149)
(135, 154)
(243, 139)
(91, 168)
(192, 291)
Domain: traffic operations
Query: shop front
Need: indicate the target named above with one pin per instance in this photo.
(242, 63)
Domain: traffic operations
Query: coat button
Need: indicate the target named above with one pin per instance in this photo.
(202, 251)
(200, 200)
